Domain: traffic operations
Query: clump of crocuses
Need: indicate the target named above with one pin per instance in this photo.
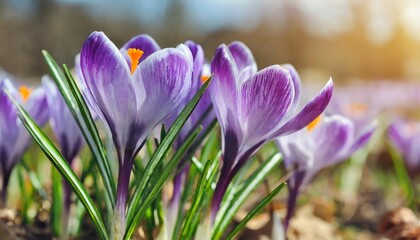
(139, 87)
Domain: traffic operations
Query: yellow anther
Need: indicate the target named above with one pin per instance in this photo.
(204, 78)
(25, 92)
(135, 55)
(314, 123)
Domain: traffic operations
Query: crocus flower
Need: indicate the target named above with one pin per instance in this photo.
(143, 42)
(326, 141)
(254, 107)
(65, 129)
(134, 89)
(405, 137)
(14, 138)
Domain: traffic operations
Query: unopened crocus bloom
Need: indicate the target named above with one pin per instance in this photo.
(255, 107)
(65, 129)
(326, 141)
(134, 89)
(14, 138)
(405, 137)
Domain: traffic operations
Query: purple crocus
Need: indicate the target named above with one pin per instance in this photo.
(255, 107)
(14, 139)
(65, 129)
(134, 89)
(405, 137)
(326, 141)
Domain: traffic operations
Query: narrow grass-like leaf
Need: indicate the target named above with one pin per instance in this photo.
(188, 186)
(63, 167)
(402, 175)
(162, 132)
(36, 183)
(209, 168)
(24, 195)
(204, 197)
(92, 137)
(57, 202)
(79, 210)
(256, 210)
(161, 151)
(189, 183)
(206, 132)
(229, 209)
(76, 220)
(198, 142)
(148, 225)
(157, 185)
(209, 148)
(81, 113)
(197, 164)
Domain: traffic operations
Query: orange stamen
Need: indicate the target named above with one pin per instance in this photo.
(357, 109)
(314, 123)
(135, 55)
(25, 92)
(204, 78)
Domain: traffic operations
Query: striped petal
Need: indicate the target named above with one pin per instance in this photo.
(224, 94)
(166, 80)
(309, 112)
(265, 99)
(107, 77)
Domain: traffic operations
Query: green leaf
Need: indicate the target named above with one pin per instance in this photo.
(157, 185)
(81, 113)
(201, 194)
(36, 183)
(76, 220)
(62, 166)
(198, 142)
(233, 202)
(197, 164)
(162, 132)
(24, 195)
(92, 138)
(189, 182)
(256, 210)
(403, 176)
(57, 202)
